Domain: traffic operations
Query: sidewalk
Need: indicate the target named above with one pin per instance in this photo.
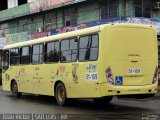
(0, 87)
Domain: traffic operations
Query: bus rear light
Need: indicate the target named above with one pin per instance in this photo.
(109, 76)
(155, 77)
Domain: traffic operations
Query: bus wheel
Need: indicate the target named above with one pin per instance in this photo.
(60, 94)
(103, 100)
(14, 89)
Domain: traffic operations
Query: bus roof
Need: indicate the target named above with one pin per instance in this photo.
(69, 35)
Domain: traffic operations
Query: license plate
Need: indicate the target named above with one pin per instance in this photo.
(133, 71)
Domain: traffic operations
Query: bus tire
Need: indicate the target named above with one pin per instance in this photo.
(60, 94)
(103, 100)
(14, 89)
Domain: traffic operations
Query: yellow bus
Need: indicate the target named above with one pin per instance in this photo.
(98, 63)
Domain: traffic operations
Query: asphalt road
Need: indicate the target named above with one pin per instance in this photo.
(82, 109)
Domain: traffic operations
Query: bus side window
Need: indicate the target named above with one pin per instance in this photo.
(25, 55)
(5, 60)
(14, 56)
(88, 48)
(74, 49)
(52, 52)
(37, 54)
(69, 50)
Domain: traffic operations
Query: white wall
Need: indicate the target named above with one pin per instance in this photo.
(31, 1)
(12, 3)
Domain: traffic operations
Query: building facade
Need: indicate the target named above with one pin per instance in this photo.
(22, 20)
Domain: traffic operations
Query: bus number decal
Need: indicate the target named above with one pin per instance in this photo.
(91, 76)
(91, 72)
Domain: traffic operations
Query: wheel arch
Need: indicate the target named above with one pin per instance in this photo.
(13, 80)
(56, 83)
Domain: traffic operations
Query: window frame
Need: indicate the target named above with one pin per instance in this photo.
(25, 55)
(70, 49)
(144, 9)
(23, 25)
(37, 54)
(14, 57)
(90, 47)
(45, 51)
(108, 7)
(5, 67)
(52, 17)
(71, 13)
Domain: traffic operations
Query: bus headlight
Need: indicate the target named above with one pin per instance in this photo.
(109, 76)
